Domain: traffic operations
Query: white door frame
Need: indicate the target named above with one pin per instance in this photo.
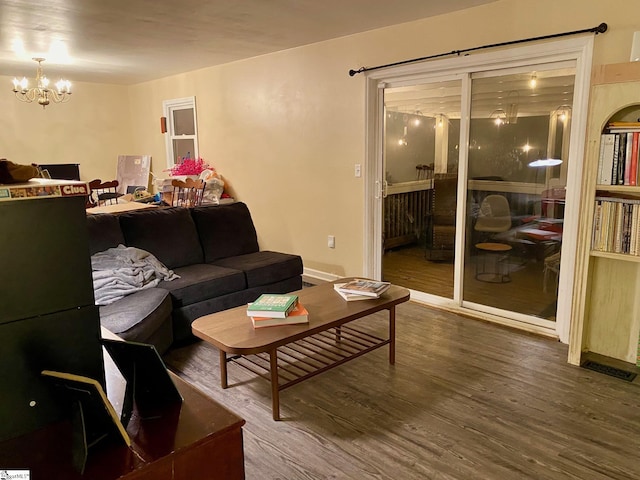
(579, 50)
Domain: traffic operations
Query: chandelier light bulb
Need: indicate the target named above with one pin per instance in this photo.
(63, 86)
(533, 81)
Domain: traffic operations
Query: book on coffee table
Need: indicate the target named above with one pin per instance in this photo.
(297, 316)
(272, 305)
(349, 297)
(370, 288)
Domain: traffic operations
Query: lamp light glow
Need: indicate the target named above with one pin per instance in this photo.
(545, 162)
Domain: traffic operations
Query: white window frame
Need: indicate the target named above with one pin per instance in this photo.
(168, 107)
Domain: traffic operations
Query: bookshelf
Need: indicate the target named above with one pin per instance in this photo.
(606, 307)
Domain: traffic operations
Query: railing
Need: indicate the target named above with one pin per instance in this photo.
(406, 207)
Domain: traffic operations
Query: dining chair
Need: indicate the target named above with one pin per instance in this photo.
(188, 193)
(103, 193)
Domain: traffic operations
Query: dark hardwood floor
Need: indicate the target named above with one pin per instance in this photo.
(465, 400)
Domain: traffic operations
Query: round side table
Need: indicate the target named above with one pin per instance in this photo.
(492, 264)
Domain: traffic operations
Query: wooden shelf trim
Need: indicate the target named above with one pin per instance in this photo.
(625, 257)
(619, 189)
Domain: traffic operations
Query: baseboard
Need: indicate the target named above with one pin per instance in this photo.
(315, 277)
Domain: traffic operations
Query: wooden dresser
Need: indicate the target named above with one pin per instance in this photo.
(199, 439)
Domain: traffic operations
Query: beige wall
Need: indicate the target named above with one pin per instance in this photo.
(286, 129)
(92, 129)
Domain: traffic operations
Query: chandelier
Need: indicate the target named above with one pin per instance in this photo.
(41, 93)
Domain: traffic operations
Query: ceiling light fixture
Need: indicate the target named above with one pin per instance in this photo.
(513, 98)
(41, 93)
(533, 81)
(499, 116)
(545, 162)
(563, 112)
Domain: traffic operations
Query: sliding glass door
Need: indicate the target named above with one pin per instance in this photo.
(500, 151)
(421, 157)
(515, 190)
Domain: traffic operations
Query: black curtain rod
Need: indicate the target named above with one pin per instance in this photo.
(599, 29)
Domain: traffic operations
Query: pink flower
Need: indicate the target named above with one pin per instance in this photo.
(189, 166)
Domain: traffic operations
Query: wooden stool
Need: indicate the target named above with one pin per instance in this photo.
(492, 264)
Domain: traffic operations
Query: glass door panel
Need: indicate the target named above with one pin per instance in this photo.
(421, 149)
(517, 163)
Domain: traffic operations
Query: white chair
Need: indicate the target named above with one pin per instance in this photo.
(551, 266)
(495, 215)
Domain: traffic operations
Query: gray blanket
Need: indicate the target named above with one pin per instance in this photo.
(118, 272)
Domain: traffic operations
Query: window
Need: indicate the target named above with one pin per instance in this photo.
(182, 129)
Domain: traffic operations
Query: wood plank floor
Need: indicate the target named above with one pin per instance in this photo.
(525, 294)
(465, 400)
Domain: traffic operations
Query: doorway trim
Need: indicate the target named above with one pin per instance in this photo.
(579, 50)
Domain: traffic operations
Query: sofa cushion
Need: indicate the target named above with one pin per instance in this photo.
(202, 281)
(137, 316)
(225, 230)
(104, 232)
(168, 233)
(183, 317)
(264, 268)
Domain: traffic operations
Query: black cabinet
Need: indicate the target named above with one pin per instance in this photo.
(48, 319)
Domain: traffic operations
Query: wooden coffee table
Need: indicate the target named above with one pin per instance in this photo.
(287, 355)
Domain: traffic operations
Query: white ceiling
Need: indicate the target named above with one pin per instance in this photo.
(131, 41)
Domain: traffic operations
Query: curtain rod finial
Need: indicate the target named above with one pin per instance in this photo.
(601, 28)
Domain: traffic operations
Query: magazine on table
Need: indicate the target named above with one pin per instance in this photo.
(349, 297)
(370, 288)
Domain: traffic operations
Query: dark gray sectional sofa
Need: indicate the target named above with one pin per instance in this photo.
(214, 249)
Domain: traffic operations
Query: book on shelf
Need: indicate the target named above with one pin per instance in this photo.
(370, 288)
(605, 166)
(618, 158)
(628, 139)
(349, 297)
(616, 227)
(272, 305)
(297, 316)
(623, 127)
(633, 174)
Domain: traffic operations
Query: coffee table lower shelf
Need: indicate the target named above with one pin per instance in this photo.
(294, 362)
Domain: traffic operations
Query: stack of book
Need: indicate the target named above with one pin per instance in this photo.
(616, 225)
(619, 152)
(272, 309)
(359, 289)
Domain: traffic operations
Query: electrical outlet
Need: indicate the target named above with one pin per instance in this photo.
(331, 241)
(358, 170)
